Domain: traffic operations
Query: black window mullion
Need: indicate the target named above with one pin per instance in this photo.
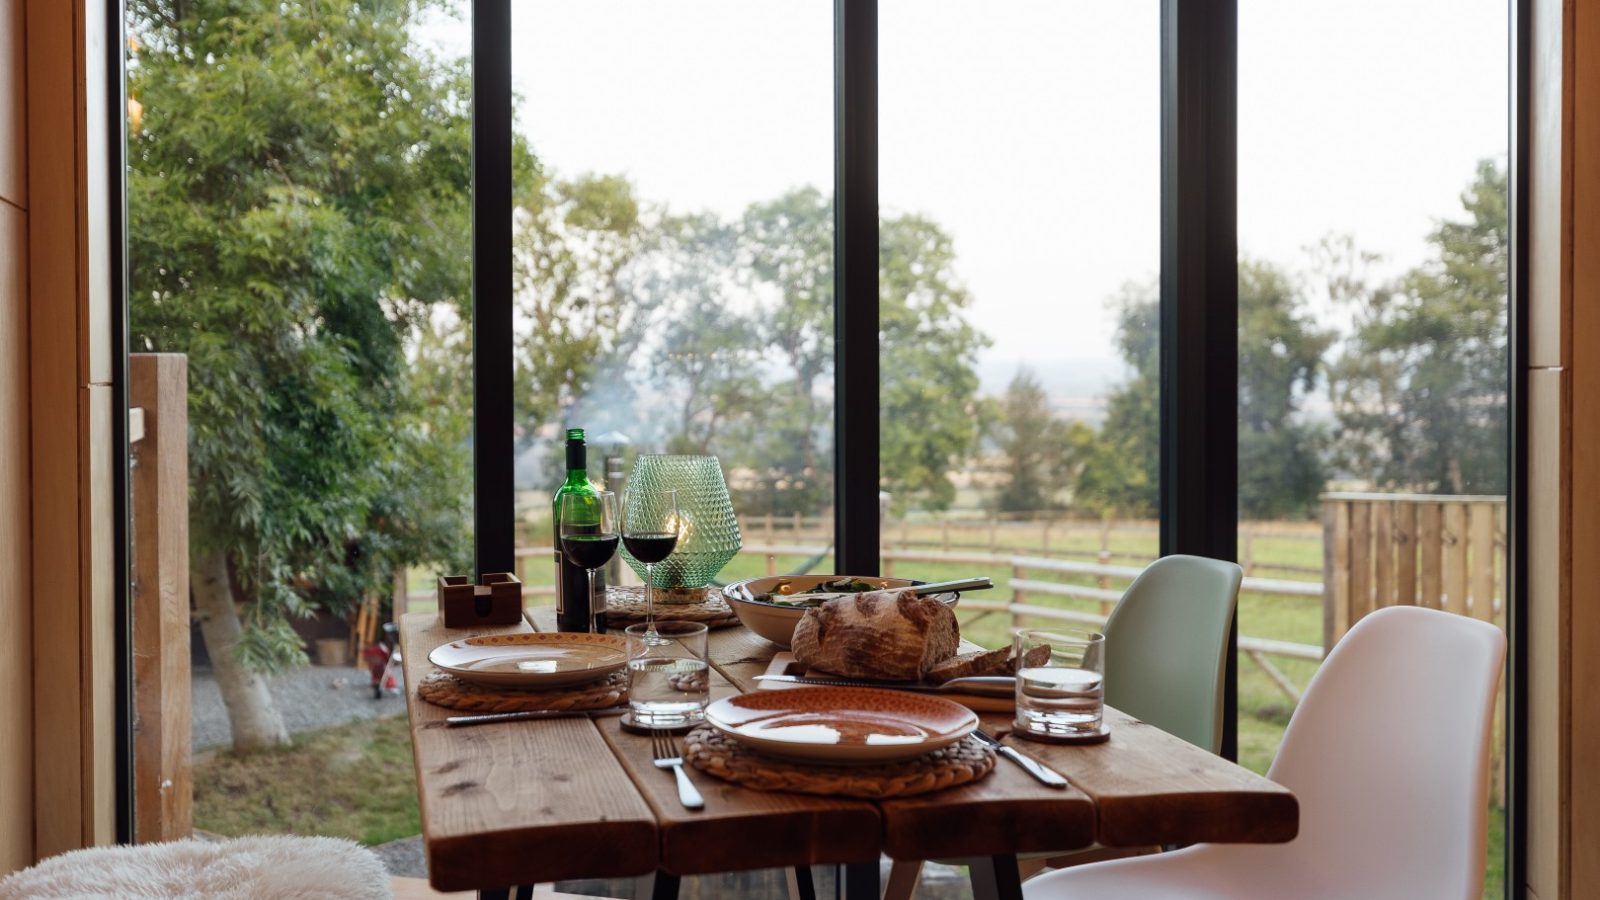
(855, 281)
(1200, 294)
(493, 435)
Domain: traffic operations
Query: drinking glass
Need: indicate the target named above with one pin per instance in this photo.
(669, 683)
(1061, 695)
(650, 525)
(589, 536)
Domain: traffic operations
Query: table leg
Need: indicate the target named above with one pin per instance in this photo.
(995, 877)
(665, 887)
(861, 881)
(494, 894)
(525, 892)
(801, 887)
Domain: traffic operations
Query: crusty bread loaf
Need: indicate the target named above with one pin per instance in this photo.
(888, 635)
(979, 662)
(986, 662)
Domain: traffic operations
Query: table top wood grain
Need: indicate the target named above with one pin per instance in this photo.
(526, 802)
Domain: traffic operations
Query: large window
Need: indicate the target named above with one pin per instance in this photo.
(673, 251)
(1373, 323)
(1019, 172)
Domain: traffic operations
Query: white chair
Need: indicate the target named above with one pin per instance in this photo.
(1388, 754)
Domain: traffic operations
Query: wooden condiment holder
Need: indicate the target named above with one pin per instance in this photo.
(495, 600)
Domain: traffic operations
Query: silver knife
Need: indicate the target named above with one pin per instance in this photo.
(1033, 767)
(523, 715)
(977, 685)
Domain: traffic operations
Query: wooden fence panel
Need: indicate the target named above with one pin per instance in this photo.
(1382, 555)
(1430, 527)
(1405, 546)
(1453, 540)
(1360, 561)
(1336, 572)
(1481, 560)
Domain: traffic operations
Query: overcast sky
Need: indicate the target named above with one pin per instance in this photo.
(1029, 128)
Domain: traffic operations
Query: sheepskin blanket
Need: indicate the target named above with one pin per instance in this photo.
(281, 868)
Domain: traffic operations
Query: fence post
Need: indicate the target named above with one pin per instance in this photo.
(1016, 594)
(772, 564)
(158, 383)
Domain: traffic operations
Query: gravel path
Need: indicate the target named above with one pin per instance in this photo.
(308, 698)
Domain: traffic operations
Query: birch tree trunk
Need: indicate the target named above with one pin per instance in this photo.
(254, 719)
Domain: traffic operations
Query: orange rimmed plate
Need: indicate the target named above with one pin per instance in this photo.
(841, 725)
(532, 659)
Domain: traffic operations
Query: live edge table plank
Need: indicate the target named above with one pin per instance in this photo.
(739, 828)
(520, 802)
(527, 802)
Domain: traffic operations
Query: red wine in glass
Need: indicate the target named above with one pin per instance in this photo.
(650, 546)
(591, 551)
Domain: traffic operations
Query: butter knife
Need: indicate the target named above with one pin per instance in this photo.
(1038, 770)
(975, 685)
(524, 715)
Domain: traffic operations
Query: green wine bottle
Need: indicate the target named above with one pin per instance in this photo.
(573, 610)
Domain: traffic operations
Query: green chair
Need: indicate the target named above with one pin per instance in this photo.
(1166, 650)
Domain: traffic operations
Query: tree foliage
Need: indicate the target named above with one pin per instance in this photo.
(1420, 387)
(1035, 446)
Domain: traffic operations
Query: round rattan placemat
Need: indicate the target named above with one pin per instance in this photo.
(625, 606)
(714, 753)
(442, 689)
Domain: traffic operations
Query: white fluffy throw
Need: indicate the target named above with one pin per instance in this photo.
(252, 868)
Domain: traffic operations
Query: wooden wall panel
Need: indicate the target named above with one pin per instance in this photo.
(16, 614)
(1548, 339)
(13, 106)
(1547, 631)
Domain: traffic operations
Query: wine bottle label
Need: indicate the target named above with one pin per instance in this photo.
(561, 607)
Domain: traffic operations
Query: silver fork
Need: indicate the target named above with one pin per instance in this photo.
(667, 757)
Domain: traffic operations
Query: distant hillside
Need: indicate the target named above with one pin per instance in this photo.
(1077, 386)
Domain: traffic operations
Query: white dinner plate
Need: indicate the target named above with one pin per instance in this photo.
(841, 725)
(532, 659)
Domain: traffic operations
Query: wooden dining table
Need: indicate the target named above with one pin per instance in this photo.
(518, 803)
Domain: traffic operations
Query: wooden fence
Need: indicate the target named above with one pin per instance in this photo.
(1441, 551)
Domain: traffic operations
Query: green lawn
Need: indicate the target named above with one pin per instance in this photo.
(355, 781)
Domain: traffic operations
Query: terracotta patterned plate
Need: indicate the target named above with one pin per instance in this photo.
(532, 660)
(841, 725)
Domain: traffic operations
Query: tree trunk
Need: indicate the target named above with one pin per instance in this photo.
(252, 716)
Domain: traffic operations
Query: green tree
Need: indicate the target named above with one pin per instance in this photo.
(299, 204)
(1034, 444)
(1420, 387)
(1280, 355)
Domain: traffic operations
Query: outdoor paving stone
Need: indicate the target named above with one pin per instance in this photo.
(308, 698)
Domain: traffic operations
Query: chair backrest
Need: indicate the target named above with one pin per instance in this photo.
(1167, 643)
(1388, 754)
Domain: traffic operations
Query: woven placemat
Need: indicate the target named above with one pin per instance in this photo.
(716, 754)
(625, 606)
(442, 689)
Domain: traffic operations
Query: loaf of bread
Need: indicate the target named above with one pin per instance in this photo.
(985, 662)
(886, 635)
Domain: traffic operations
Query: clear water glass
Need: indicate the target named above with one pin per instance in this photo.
(1062, 697)
(669, 683)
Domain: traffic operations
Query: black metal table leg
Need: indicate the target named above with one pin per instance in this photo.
(861, 881)
(801, 887)
(665, 887)
(494, 894)
(525, 892)
(995, 877)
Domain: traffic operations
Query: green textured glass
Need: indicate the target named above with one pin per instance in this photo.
(708, 534)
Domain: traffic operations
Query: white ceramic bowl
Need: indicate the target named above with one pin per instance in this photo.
(777, 623)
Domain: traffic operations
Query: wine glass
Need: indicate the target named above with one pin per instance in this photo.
(589, 535)
(650, 531)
